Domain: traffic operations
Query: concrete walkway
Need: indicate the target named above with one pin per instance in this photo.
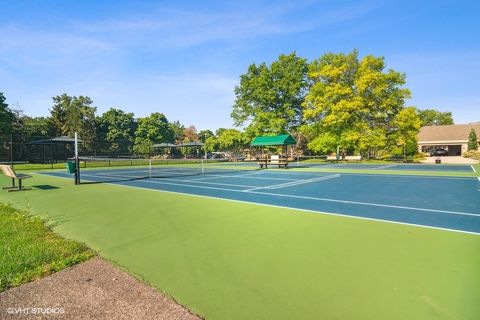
(92, 290)
(451, 160)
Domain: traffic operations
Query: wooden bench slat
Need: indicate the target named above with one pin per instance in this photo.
(9, 172)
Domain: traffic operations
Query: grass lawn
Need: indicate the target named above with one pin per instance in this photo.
(230, 260)
(30, 249)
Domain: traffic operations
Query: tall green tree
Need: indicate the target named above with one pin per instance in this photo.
(36, 126)
(74, 114)
(269, 98)
(58, 115)
(7, 117)
(203, 135)
(211, 144)
(406, 125)
(352, 103)
(232, 140)
(178, 130)
(152, 129)
(432, 117)
(117, 129)
(472, 140)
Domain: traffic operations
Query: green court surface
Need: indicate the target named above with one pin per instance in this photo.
(232, 260)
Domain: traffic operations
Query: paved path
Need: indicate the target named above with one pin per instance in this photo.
(451, 160)
(91, 290)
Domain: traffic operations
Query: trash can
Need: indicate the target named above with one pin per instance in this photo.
(438, 161)
(71, 166)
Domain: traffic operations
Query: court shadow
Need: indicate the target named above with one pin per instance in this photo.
(45, 187)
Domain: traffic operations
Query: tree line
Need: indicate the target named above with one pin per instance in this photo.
(336, 103)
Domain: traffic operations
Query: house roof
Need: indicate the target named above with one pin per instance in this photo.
(280, 140)
(454, 132)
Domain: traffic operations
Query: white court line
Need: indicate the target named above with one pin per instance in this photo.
(295, 183)
(473, 168)
(343, 215)
(477, 215)
(380, 175)
(215, 183)
(385, 167)
(243, 176)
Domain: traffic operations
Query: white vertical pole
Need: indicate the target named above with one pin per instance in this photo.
(76, 146)
(150, 168)
(77, 161)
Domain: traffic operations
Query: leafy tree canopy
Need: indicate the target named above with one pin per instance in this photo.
(154, 128)
(352, 102)
(7, 117)
(203, 135)
(232, 140)
(116, 124)
(190, 134)
(178, 130)
(74, 114)
(269, 97)
(431, 117)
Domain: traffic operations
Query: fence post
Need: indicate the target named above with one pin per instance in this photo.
(11, 149)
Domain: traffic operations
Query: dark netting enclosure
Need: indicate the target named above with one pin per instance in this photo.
(49, 150)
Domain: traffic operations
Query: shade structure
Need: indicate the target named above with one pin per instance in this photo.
(191, 144)
(62, 139)
(164, 145)
(280, 140)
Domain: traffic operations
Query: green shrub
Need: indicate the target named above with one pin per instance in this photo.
(472, 154)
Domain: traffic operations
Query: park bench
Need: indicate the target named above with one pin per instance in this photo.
(273, 160)
(9, 172)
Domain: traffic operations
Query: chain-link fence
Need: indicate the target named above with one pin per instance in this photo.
(47, 149)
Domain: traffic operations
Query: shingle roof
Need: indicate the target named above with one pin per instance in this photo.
(454, 132)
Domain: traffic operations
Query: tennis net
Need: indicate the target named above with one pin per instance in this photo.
(310, 161)
(119, 169)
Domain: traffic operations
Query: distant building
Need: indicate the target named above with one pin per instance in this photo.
(453, 138)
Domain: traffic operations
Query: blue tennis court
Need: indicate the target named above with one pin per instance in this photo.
(441, 202)
(389, 166)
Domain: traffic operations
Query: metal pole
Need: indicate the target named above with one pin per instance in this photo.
(11, 149)
(77, 162)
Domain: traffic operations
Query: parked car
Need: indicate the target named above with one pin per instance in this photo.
(217, 156)
(439, 153)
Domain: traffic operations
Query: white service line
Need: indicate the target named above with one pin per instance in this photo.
(477, 215)
(243, 176)
(215, 183)
(295, 183)
(473, 168)
(385, 167)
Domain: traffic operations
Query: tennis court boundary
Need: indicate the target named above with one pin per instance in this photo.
(288, 208)
(175, 183)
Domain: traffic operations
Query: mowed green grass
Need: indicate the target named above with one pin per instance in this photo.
(230, 260)
(30, 249)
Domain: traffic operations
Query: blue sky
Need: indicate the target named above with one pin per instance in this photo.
(184, 58)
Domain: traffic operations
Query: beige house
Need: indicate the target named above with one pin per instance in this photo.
(453, 138)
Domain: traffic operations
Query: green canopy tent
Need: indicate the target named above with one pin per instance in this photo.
(280, 140)
(283, 140)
